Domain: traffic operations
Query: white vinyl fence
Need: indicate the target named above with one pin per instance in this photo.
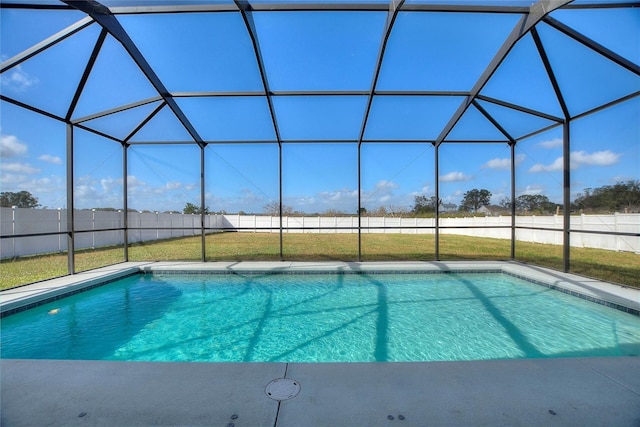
(149, 226)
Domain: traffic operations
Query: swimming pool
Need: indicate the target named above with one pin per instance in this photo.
(319, 318)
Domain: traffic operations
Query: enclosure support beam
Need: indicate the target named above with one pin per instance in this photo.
(45, 44)
(566, 182)
(280, 197)
(85, 75)
(392, 13)
(125, 199)
(437, 219)
(513, 200)
(597, 47)
(202, 207)
(359, 202)
(566, 153)
(103, 16)
(71, 269)
(246, 9)
(394, 7)
(528, 22)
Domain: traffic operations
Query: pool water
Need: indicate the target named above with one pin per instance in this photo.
(319, 318)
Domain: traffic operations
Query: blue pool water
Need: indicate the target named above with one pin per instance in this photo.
(319, 318)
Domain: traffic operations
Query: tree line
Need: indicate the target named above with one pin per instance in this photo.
(623, 196)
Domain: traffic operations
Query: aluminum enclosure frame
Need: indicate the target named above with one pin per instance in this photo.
(530, 18)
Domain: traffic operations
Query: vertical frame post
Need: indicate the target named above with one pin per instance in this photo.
(566, 182)
(359, 203)
(71, 269)
(513, 200)
(125, 199)
(280, 198)
(202, 208)
(437, 180)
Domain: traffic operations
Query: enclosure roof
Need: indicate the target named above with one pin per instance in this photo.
(198, 71)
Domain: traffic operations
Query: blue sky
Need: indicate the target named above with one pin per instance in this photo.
(315, 52)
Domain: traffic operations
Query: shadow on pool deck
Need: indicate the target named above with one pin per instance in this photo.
(526, 392)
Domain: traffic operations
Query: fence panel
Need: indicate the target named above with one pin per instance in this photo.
(150, 226)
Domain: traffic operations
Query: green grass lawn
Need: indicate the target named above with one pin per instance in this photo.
(617, 267)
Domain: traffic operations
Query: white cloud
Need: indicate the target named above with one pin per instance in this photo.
(85, 192)
(172, 185)
(579, 158)
(384, 185)
(504, 163)
(551, 143)
(555, 166)
(50, 159)
(110, 184)
(531, 190)
(599, 158)
(334, 196)
(455, 177)
(133, 181)
(10, 146)
(18, 80)
(23, 168)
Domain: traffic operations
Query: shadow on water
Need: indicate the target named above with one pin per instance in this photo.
(94, 324)
(90, 325)
(380, 310)
(520, 339)
(509, 327)
(381, 352)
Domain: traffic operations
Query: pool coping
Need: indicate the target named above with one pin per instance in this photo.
(612, 295)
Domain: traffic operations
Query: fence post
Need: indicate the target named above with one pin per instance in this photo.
(93, 227)
(59, 230)
(615, 228)
(13, 230)
(140, 226)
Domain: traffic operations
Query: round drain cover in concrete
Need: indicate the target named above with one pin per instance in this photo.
(282, 389)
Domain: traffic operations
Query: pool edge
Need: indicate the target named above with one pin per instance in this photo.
(618, 297)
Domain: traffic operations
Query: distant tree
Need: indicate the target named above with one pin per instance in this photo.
(535, 203)
(505, 203)
(190, 208)
(333, 212)
(424, 204)
(397, 211)
(273, 208)
(363, 211)
(623, 195)
(379, 211)
(474, 199)
(21, 199)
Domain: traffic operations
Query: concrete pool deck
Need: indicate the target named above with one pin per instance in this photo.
(525, 392)
(528, 392)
